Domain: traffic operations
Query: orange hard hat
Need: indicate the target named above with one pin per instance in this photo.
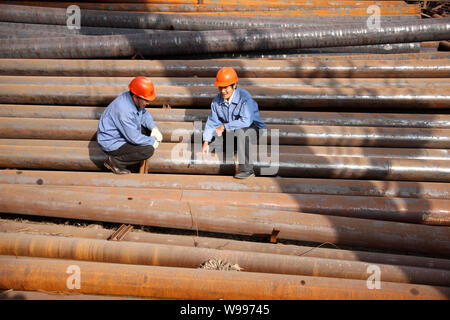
(143, 88)
(225, 77)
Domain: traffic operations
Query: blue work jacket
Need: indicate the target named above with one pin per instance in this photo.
(242, 112)
(121, 122)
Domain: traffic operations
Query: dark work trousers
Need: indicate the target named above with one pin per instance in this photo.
(131, 154)
(243, 141)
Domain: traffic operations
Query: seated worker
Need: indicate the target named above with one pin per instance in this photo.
(233, 110)
(121, 125)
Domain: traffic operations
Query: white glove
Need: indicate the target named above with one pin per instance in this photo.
(156, 144)
(157, 134)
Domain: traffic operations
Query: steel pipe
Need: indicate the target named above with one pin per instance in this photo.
(397, 120)
(91, 159)
(58, 202)
(236, 40)
(184, 283)
(246, 68)
(285, 98)
(424, 211)
(370, 188)
(142, 20)
(10, 226)
(77, 129)
(183, 257)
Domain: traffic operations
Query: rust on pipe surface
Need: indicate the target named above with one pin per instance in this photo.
(10, 226)
(246, 68)
(410, 210)
(81, 158)
(78, 129)
(185, 283)
(59, 202)
(392, 189)
(269, 117)
(180, 256)
(286, 98)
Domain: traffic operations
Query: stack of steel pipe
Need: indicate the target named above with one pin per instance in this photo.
(351, 198)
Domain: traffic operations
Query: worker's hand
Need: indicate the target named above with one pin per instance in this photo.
(205, 148)
(156, 144)
(157, 134)
(220, 130)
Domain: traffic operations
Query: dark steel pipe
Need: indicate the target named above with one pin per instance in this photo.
(100, 233)
(348, 67)
(236, 40)
(184, 283)
(288, 97)
(58, 202)
(184, 257)
(91, 159)
(392, 189)
(76, 129)
(396, 120)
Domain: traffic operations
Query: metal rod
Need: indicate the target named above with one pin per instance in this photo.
(184, 283)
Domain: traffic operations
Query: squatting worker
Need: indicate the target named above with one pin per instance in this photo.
(233, 110)
(121, 126)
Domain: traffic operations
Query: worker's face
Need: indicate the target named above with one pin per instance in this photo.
(227, 92)
(140, 102)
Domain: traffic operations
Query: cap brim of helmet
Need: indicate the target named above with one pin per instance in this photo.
(149, 98)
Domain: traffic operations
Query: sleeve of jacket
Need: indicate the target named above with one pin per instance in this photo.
(132, 134)
(211, 124)
(245, 116)
(147, 121)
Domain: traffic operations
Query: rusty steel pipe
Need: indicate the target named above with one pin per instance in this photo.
(184, 283)
(77, 129)
(396, 120)
(183, 257)
(142, 20)
(370, 188)
(409, 210)
(91, 159)
(58, 202)
(246, 83)
(275, 98)
(257, 68)
(397, 8)
(10, 226)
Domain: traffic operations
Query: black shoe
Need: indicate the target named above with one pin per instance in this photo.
(111, 166)
(244, 175)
